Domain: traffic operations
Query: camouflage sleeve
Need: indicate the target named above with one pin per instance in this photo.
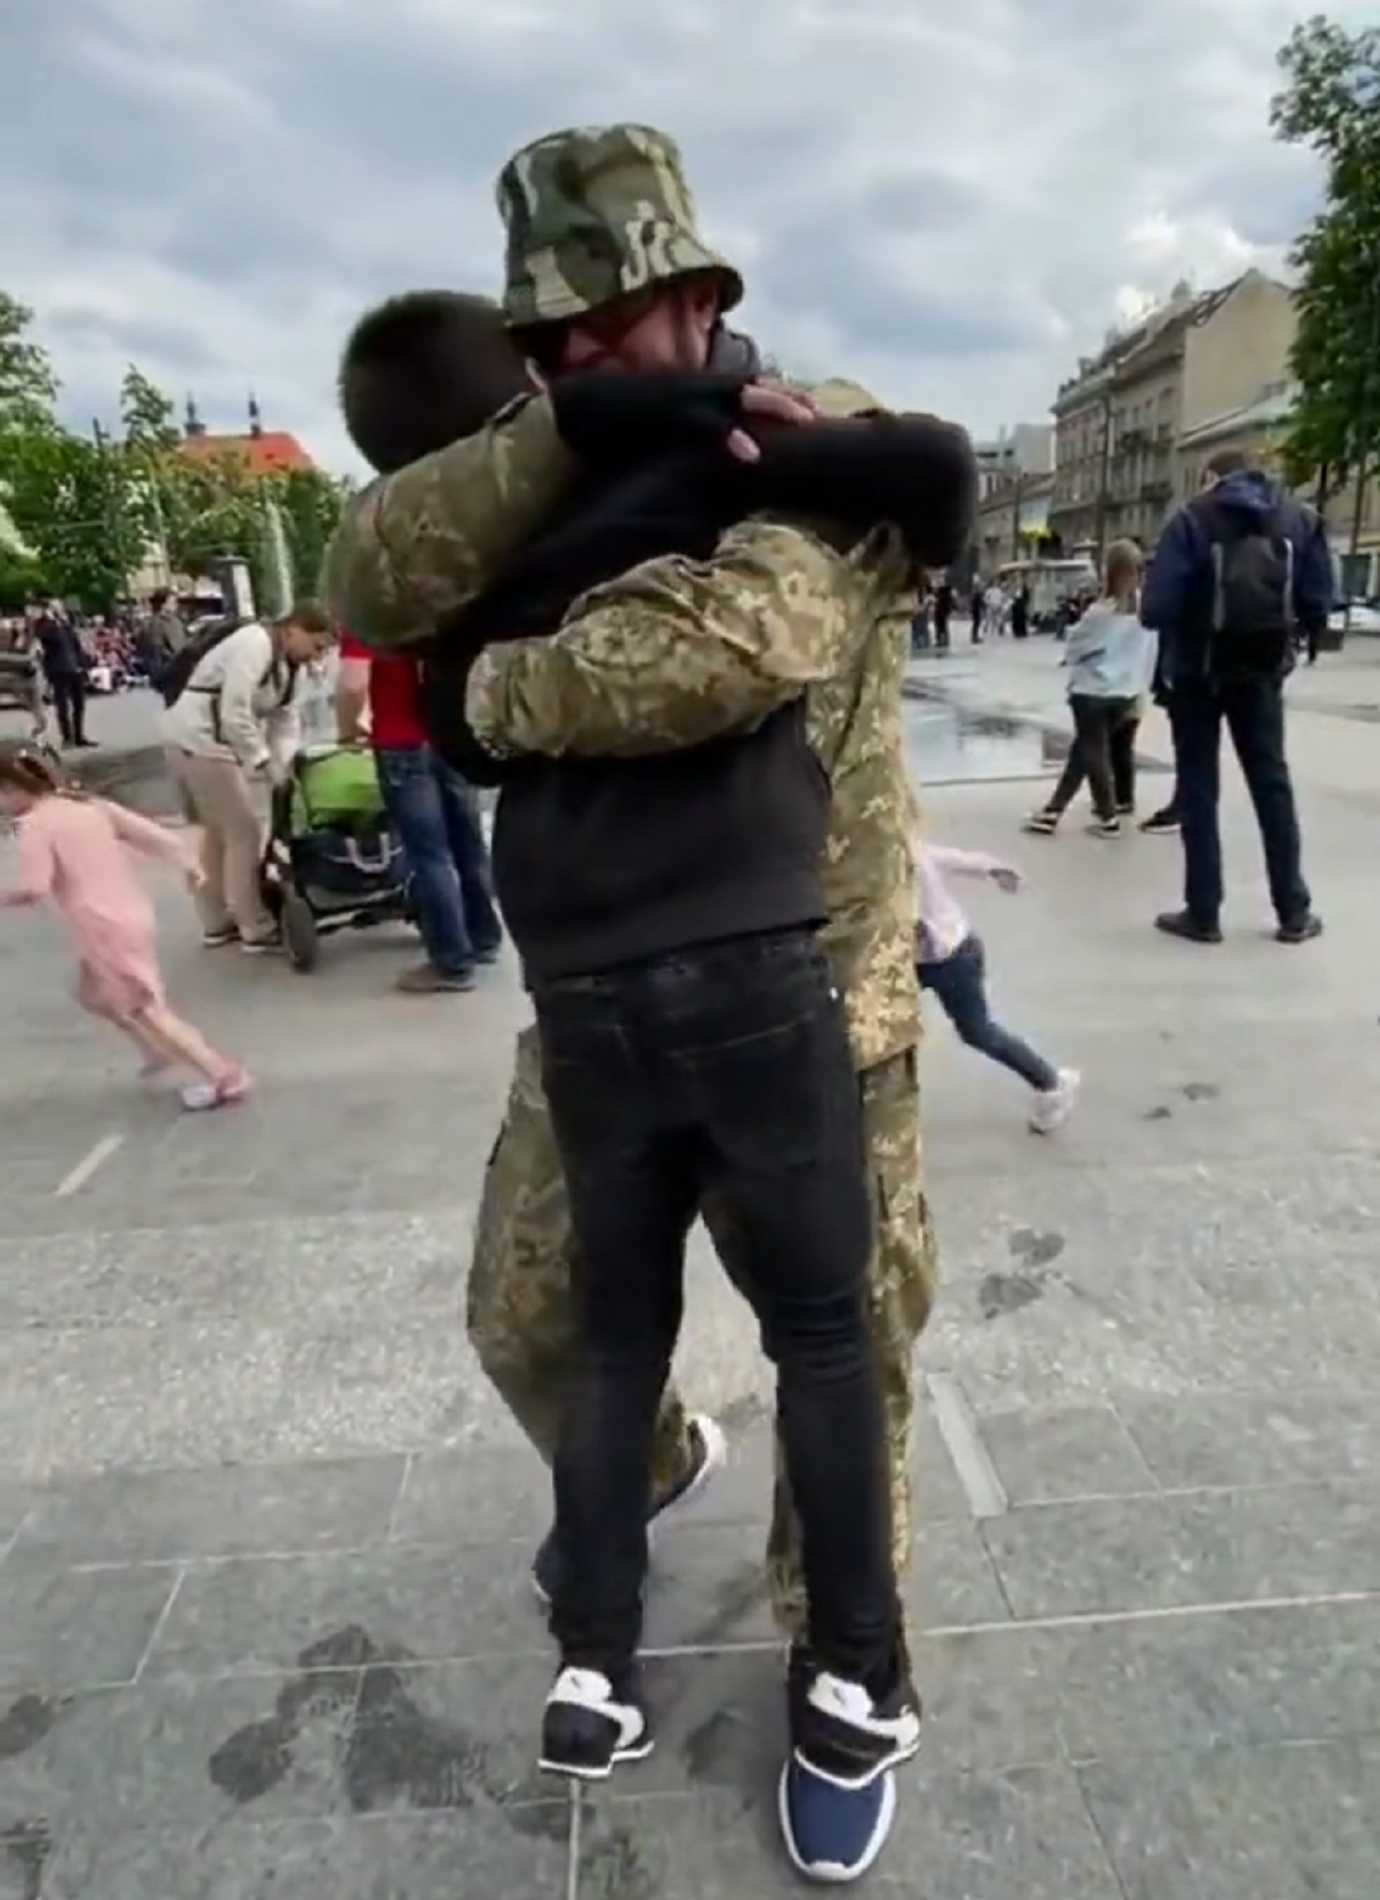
(674, 652)
(417, 545)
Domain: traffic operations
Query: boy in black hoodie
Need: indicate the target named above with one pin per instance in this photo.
(694, 1043)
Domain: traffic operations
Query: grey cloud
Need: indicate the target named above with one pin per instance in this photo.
(178, 346)
(930, 200)
(815, 267)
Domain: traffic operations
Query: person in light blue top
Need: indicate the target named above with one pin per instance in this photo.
(1111, 661)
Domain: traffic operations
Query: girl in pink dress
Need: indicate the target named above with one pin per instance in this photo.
(74, 850)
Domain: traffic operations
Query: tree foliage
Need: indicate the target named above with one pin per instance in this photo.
(28, 382)
(72, 504)
(1330, 103)
(86, 513)
(148, 416)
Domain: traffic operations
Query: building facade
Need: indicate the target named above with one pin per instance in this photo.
(1120, 420)
(1026, 449)
(1012, 521)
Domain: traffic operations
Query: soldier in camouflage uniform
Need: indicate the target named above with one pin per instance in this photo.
(420, 544)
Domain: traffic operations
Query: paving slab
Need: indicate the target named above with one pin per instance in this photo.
(1108, 1555)
(266, 1624)
(1289, 1822)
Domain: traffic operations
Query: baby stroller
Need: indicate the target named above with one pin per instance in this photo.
(331, 862)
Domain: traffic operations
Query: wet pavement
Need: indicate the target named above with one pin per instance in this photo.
(265, 1627)
(950, 742)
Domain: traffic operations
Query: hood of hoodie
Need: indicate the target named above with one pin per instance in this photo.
(1247, 491)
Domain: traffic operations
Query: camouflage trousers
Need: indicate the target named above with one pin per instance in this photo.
(521, 1310)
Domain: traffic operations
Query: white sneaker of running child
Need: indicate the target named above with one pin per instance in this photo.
(1054, 1106)
(230, 1088)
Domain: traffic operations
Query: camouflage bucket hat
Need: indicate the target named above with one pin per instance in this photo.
(595, 214)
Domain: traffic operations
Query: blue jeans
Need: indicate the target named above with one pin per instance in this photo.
(435, 814)
(960, 983)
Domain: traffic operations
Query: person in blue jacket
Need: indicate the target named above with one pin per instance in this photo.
(1241, 576)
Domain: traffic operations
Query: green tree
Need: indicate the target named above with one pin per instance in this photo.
(310, 503)
(75, 507)
(148, 415)
(210, 509)
(28, 382)
(1330, 103)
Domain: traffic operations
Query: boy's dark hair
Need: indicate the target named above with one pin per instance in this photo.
(423, 370)
(158, 599)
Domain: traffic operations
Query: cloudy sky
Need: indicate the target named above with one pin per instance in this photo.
(946, 202)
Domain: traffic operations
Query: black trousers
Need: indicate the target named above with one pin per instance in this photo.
(720, 1072)
(1253, 713)
(1103, 752)
(69, 703)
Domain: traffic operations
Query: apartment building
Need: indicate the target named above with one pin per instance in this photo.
(1012, 521)
(1119, 420)
(1025, 449)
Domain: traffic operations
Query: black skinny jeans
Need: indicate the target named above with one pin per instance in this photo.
(721, 1071)
(1103, 752)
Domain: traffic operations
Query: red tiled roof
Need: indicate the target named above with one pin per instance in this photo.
(274, 452)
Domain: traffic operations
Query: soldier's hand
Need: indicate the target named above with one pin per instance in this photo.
(611, 418)
(768, 402)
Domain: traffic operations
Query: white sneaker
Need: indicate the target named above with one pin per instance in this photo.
(1054, 1106)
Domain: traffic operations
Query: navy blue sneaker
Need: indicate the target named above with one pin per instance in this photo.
(836, 1799)
(832, 1834)
(708, 1448)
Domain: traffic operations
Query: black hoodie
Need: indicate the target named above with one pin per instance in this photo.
(599, 862)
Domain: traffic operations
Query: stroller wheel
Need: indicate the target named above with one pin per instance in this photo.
(301, 939)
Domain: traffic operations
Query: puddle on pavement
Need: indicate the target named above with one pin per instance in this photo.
(948, 746)
(954, 745)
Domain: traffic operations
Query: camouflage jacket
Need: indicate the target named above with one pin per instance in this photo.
(774, 612)
(415, 546)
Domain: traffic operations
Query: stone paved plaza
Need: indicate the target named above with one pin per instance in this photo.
(265, 1625)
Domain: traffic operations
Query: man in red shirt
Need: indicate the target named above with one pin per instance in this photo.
(434, 813)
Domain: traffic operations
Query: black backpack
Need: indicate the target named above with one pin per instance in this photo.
(1252, 626)
(175, 677)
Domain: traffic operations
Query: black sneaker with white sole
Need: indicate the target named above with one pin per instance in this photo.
(1161, 824)
(708, 1450)
(844, 1733)
(592, 1723)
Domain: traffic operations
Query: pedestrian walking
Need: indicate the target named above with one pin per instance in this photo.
(434, 813)
(943, 614)
(163, 636)
(1238, 575)
(951, 962)
(64, 668)
(74, 851)
(1110, 658)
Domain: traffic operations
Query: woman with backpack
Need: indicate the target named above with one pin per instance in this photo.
(230, 726)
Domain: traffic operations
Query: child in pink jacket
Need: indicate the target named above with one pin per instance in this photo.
(951, 962)
(75, 850)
